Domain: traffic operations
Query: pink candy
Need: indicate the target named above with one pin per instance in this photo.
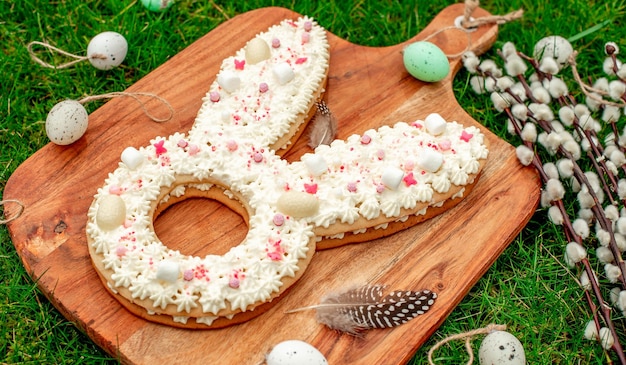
(193, 150)
(263, 87)
(278, 219)
(188, 275)
(214, 96)
(231, 145)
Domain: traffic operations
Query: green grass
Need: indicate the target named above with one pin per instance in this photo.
(527, 288)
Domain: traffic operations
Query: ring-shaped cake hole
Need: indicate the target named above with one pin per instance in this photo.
(201, 222)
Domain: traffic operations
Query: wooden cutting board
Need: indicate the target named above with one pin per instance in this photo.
(367, 88)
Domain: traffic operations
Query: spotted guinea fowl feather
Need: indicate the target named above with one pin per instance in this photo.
(324, 126)
(366, 307)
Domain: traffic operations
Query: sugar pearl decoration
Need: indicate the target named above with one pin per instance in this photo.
(168, 271)
(132, 158)
(435, 124)
(229, 81)
(111, 212)
(283, 73)
(66, 122)
(107, 50)
(392, 177)
(315, 164)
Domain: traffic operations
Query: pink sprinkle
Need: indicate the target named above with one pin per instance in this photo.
(233, 283)
(306, 37)
(263, 87)
(310, 188)
(380, 154)
(121, 251)
(380, 188)
(128, 223)
(409, 179)
(275, 255)
(188, 275)
(445, 145)
(214, 96)
(258, 157)
(308, 25)
(193, 150)
(159, 147)
(352, 187)
(231, 145)
(301, 60)
(365, 139)
(115, 190)
(465, 136)
(278, 219)
(275, 43)
(417, 125)
(239, 64)
(409, 165)
(182, 143)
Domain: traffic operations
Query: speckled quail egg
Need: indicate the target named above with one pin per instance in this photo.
(66, 122)
(553, 46)
(107, 50)
(501, 348)
(295, 352)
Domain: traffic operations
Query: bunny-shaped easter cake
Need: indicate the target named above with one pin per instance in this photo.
(365, 187)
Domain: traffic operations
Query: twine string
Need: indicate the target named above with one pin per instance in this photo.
(588, 90)
(16, 215)
(55, 49)
(471, 5)
(467, 336)
(469, 24)
(136, 97)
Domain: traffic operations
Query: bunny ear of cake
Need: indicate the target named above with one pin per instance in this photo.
(367, 307)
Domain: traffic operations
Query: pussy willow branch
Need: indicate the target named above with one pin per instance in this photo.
(594, 154)
(605, 310)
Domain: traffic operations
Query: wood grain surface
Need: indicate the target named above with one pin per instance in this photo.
(367, 87)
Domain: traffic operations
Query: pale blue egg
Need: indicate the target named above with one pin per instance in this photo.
(426, 62)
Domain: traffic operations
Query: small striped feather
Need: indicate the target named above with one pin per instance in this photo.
(366, 307)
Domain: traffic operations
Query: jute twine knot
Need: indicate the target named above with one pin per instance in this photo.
(467, 336)
(469, 24)
(15, 215)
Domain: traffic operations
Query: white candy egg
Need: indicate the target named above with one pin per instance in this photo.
(295, 352)
(111, 212)
(501, 348)
(66, 122)
(107, 50)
